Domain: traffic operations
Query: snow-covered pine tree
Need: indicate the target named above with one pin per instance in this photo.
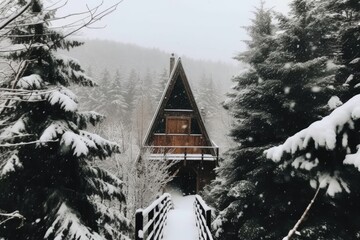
(162, 80)
(116, 101)
(233, 188)
(207, 97)
(45, 151)
(144, 106)
(108, 97)
(105, 77)
(327, 151)
(286, 88)
(99, 98)
(131, 86)
(345, 16)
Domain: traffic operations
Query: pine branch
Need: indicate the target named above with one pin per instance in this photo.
(17, 136)
(94, 17)
(27, 143)
(302, 218)
(10, 216)
(16, 15)
(22, 67)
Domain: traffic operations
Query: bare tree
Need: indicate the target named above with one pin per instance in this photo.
(144, 179)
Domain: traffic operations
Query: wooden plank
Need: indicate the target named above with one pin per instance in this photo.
(181, 140)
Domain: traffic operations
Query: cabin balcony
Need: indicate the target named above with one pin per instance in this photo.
(182, 147)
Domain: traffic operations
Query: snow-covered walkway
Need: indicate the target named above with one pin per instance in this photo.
(181, 220)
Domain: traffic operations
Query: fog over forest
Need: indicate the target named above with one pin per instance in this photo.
(105, 54)
(103, 59)
(179, 120)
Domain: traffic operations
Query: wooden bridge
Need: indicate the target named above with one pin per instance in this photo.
(171, 219)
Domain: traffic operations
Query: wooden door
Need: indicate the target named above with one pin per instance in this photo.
(177, 125)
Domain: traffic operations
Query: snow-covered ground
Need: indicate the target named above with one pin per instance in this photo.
(181, 220)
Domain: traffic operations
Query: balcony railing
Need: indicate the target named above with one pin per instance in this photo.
(197, 153)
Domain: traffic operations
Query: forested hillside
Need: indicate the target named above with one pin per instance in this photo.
(285, 116)
(131, 80)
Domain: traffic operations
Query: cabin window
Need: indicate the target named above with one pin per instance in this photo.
(195, 128)
(177, 125)
(178, 98)
(160, 126)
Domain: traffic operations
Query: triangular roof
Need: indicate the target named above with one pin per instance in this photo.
(177, 74)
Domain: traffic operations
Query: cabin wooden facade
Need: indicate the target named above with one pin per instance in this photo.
(177, 132)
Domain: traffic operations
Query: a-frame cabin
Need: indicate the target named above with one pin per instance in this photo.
(177, 132)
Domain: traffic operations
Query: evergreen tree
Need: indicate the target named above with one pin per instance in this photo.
(163, 78)
(208, 98)
(323, 152)
(46, 172)
(105, 78)
(286, 88)
(116, 105)
(96, 97)
(144, 107)
(345, 16)
(131, 86)
(89, 71)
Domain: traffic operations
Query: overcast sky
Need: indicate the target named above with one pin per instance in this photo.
(201, 29)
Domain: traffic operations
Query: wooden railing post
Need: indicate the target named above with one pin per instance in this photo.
(208, 218)
(185, 153)
(203, 218)
(150, 222)
(151, 227)
(139, 221)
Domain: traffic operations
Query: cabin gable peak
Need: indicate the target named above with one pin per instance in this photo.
(177, 104)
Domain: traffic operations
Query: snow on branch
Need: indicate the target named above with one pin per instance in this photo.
(9, 216)
(97, 172)
(9, 19)
(25, 143)
(79, 145)
(85, 143)
(104, 189)
(12, 163)
(117, 217)
(322, 132)
(106, 147)
(33, 81)
(54, 130)
(330, 134)
(65, 98)
(67, 225)
(18, 128)
(83, 118)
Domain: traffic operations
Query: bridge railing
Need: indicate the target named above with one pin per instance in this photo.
(203, 218)
(149, 222)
